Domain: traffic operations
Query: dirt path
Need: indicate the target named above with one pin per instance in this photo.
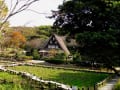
(110, 84)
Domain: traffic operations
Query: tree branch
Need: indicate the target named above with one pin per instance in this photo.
(15, 9)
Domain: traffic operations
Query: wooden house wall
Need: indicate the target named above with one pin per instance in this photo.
(53, 44)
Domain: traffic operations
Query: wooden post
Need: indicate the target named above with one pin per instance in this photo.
(55, 86)
(95, 87)
(42, 88)
(88, 88)
(49, 85)
(82, 88)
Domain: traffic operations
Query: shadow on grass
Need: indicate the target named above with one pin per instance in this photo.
(86, 79)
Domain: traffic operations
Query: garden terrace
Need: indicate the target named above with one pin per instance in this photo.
(15, 82)
(32, 82)
(68, 77)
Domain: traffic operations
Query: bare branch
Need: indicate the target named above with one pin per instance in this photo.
(38, 12)
(15, 8)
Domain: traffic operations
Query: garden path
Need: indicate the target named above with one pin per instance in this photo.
(36, 61)
(110, 84)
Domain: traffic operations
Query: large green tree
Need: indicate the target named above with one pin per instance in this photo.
(76, 16)
(95, 25)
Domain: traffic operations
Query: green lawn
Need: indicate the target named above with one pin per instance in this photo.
(74, 78)
(14, 82)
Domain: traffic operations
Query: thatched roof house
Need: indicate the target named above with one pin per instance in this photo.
(55, 42)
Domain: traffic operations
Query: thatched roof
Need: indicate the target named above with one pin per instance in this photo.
(60, 42)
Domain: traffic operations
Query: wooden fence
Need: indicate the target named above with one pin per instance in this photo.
(43, 85)
(49, 85)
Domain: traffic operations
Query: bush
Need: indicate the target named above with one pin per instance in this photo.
(35, 54)
(76, 58)
(117, 86)
(27, 57)
(57, 59)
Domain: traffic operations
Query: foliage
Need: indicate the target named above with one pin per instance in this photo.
(22, 57)
(35, 36)
(44, 30)
(27, 57)
(34, 32)
(15, 8)
(77, 16)
(74, 78)
(8, 53)
(117, 86)
(53, 52)
(19, 55)
(76, 57)
(101, 47)
(3, 11)
(36, 54)
(95, 25)
(14, 82)
(35, 43)
(17, 39)
(14, 39)
(56, 58)
(98, 38)
(26, 31)
(55, 61)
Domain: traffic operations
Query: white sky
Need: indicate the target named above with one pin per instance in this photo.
(28, 18)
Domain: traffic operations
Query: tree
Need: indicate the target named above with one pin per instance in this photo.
(3, 12)
(36, 43)
(77, 16)
(45, 30)
(17, 6)
(95, 26)
(35, 54)
(15, 39)
(6, 13)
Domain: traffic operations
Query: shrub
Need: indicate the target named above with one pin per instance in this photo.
(21, 56)
(27, 57)
(76, 58)
(57, 59)
(35, 54)
(117, 86)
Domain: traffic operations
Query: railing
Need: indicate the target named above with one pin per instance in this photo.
(103, 82)
(43, 85)
(58, 86)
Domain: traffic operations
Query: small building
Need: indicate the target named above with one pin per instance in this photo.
(54, 45)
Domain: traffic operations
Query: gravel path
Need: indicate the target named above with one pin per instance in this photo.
(110, 84)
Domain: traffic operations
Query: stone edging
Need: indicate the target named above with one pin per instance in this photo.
(103, 82)
(64, 87)
(33, 77)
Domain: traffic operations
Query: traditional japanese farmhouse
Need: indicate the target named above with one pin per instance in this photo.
(55, 43)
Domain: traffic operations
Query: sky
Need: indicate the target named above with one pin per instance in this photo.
(29, 18)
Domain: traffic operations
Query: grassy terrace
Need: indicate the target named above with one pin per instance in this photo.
(74, 78)
(14, 82)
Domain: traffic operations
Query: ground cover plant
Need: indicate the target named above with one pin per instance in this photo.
(69, 77)
(117, 86)
(15, 82)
